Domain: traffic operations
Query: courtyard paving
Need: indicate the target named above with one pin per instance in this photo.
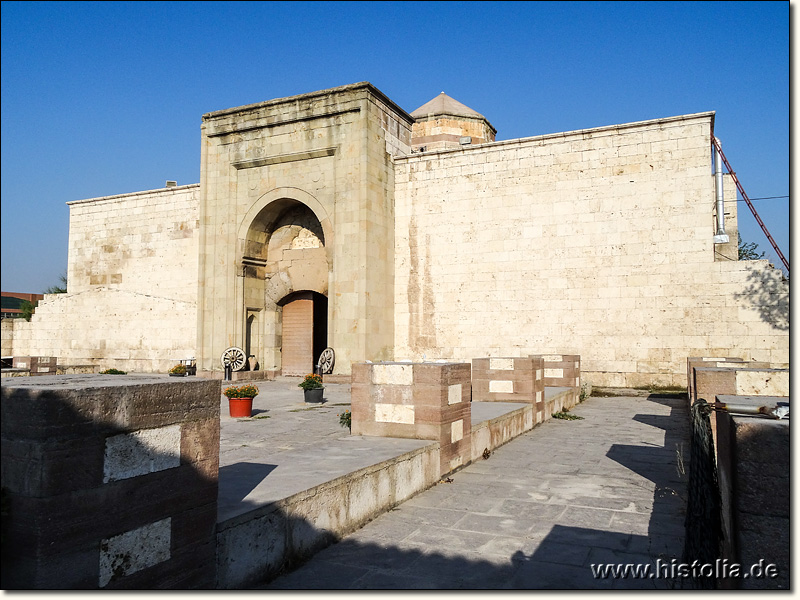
(536, 514)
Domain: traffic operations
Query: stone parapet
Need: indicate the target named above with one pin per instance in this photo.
(693, 363)
(754, 476)
(37, 365)
(561, 370)
(111, 482)
(704, 361)
(517, 379)
(744, 380)
(427, 401)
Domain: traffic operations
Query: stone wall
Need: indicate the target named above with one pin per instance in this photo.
(754, 481)
(596, 242)
(144, 242)
(425, 401)
(132, 286)
(111, 482)
(328, 151)
(508, 380)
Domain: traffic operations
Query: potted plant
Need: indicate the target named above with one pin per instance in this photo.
(312, 387)
(240, 399)
(178, 370)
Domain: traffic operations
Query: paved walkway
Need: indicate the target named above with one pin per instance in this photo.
(536, 514)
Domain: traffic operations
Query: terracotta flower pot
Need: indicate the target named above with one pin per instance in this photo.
(240, 407)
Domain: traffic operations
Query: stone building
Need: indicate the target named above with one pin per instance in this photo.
(336, 219)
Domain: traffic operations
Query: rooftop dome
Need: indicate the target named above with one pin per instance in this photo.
(445, 124)
(445, 105)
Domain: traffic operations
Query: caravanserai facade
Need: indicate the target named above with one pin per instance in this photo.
(336, 219)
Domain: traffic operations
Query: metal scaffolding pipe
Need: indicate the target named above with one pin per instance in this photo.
(720, 237)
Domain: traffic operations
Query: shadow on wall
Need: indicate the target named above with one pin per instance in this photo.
(768, 293)
(70, 522)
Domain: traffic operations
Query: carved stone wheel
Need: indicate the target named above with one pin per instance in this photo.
(325, 362)
(234, 358)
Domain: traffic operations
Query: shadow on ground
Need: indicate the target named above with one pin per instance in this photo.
(562, 560)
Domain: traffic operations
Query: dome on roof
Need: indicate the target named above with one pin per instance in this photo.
(445, 124)
(445, 105)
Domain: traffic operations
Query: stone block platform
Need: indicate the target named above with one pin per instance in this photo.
(292, 481)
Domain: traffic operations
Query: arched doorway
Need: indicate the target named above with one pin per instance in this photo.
(304, 331)
(285, 268)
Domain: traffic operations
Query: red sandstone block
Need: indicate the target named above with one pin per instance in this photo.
(361, 373)
(428, 373)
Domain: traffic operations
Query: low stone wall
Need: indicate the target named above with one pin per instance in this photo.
(508, 380)
(257, 546)
(37, 365)
(744, 379)
(490, 432)
(694, 363)
(740, 381)
(111, 482)
(754, 480)
(562, 370)
(426, 401)
(705, 361)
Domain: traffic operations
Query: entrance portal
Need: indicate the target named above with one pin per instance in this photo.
(305, 332)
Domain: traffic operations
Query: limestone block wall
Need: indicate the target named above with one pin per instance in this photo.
(426, 401)
(331, 152)
(144, 242)
(109, 328)
(132, 286)
(6, 337)
(596, 242)
(111, 482)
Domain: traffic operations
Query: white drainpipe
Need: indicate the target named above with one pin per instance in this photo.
(721, 237)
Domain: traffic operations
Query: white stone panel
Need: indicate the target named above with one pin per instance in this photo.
(762, 383)
(394, 413)
(141, 452)
(501, 386)
(456, 431)
(454, 394)
(554, 372)
(393, 374)
(501, 364)
(135, 550)
(552, 358)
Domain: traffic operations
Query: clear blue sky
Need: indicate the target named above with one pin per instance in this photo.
(106, 98)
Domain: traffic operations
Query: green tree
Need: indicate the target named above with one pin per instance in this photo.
(59, 288)
(27, 308)
(748, 250)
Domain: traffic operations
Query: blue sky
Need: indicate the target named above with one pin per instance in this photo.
(106, 98)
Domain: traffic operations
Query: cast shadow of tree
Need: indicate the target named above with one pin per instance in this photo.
(768, 293)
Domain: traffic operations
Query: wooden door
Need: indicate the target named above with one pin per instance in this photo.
(297, 346)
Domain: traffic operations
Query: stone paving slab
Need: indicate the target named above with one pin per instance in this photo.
(536, 514)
